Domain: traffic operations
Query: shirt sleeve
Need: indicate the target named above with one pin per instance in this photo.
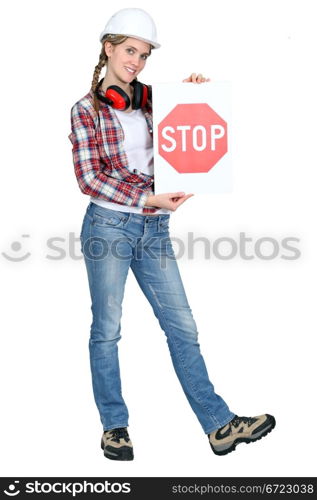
(88, 166)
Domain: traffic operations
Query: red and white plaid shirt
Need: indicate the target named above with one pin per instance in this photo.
(100, 162)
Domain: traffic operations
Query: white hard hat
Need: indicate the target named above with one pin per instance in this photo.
(132, 22)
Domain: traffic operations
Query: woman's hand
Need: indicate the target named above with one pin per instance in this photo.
(194, 78)
(170, 201)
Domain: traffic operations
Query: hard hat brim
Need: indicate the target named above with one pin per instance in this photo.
(154, 44)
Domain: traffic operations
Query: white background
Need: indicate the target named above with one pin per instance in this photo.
(256, 318)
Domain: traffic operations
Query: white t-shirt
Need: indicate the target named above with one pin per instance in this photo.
(138, 145)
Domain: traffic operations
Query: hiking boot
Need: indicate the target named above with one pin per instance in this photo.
(240, 430)
(116, 444)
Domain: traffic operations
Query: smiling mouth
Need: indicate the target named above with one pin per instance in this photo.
(130, 71)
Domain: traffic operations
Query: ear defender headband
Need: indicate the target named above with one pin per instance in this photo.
(118, 99)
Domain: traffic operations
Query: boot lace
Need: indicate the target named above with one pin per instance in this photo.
(119, 433)
(236, 421)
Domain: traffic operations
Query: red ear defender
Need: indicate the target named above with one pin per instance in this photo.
(118, 99)
(145, 95)
(140, 95)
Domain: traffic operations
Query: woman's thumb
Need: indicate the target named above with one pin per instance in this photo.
(177, 195)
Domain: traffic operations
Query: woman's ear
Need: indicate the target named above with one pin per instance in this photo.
(108, 48)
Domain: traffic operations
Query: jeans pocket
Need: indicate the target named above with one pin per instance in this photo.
(110, 220)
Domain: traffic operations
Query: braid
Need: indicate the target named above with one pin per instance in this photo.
(95, 79)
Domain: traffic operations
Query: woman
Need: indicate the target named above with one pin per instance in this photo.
(126, 226)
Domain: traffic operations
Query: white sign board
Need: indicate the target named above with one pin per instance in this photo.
(191, 133)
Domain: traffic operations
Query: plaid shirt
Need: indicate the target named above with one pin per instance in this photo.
(100, 162)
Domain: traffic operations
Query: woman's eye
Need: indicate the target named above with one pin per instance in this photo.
(131, 51)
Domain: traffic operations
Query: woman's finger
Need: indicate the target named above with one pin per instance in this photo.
(177, 194)
(190, 78)
(183, 198)
(194, 78)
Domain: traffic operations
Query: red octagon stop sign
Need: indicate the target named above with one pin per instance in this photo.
(192, 138)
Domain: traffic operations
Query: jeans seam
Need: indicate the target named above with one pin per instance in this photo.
(174, 341)
(221, 424)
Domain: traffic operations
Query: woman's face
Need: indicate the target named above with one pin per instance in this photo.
(127, 60)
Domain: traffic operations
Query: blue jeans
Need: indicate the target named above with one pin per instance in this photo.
(111, 242)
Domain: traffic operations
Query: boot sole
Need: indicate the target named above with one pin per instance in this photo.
(124, 453)
(242, 440)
